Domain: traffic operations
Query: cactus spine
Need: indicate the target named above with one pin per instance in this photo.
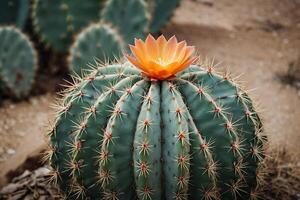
(122, 136)
(18, 62)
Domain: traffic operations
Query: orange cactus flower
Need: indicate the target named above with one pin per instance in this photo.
(161, 59)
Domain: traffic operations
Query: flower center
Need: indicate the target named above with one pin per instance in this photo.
(162, 61)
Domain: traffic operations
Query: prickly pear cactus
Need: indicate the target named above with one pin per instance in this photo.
(98, 41)
(167, 130)
(18, 62)
(130, 17)
(161, 10)
(58, 21)
(14, 12)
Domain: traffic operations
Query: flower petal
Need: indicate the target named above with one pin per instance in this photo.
(170, 49)
(151, 47)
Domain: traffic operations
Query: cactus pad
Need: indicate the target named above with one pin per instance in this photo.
(161, 10)
(130, 17)
(58, 21)
(98, 41)
(18, 62)
(14, 12)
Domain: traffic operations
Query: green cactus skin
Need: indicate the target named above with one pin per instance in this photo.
(161, 10)
(14, 12)
(119, 135)
(18, 62)
(96, 41)
(130, 17)
(58, 21)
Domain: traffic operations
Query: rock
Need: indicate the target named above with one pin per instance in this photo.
(30, 185)
(10, 151)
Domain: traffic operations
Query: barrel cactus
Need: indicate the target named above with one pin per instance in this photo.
(97, 41)
(18, 63)
(157, 127)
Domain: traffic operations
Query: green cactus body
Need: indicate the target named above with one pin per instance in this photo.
(130, 17)
(120, 135)
(18, 62)
(58, 21)
(14, 12)
(161, 10)
(96, 41)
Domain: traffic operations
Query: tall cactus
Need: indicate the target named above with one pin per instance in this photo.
(18, 62)
(58, 21)
(14, 12)
(162, 11)
(130, 17)
(167, 130)
(97, 41)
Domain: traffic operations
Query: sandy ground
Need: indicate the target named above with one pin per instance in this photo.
(22, 131)
(256, 38)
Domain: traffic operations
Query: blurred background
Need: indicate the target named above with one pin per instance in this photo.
(43, 41)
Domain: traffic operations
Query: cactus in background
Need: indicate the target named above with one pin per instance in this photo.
(18, 62)
(162, 11)
(96, 41)
(130, 17)
(167, 130)
(58, 21)
(14, 12)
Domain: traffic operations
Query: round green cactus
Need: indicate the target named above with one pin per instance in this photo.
(58, 21)
(18, 62)
(130, 17)
(120, 135)
(14, 12)
(98, 41)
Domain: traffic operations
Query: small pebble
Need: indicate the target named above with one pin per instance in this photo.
(10, 151)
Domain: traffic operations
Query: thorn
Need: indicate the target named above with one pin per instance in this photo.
(171, 87)
(111, 195)
(144, 147)
(235, 187)
(129, 91)
(183, 161)
(108, 137)
(143, 168)
(211, 170)
(79, 191)
(180, 196)
(145, 193)
(104, 157)
(210, 193)
(105, 177)
(182, 136)
(183, 181)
